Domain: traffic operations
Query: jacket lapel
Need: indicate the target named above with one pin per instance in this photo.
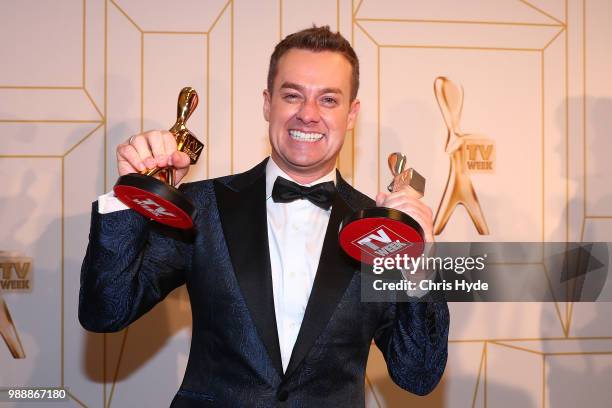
(242, 209)
(334, 273)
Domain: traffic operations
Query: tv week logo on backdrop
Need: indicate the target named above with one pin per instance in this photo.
(15, 272)
(479, 155)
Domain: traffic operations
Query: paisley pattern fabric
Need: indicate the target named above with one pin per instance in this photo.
(131, 265)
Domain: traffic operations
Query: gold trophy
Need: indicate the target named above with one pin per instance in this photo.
(385, 232)
(9, 332)
(158, 198)
(459, 188)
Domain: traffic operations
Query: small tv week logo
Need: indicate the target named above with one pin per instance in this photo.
(382, 241)
(151, 206)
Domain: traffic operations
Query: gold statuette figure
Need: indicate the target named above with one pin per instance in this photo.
(459, 188)
(158, 199)
(9, 332)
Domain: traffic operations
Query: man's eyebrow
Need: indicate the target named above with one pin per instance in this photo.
(300, 88)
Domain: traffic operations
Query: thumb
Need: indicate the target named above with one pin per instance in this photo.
(180, 160)
(380, 198)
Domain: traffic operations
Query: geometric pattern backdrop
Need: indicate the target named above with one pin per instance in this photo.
(79, 76)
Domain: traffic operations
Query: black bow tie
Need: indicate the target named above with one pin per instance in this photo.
(286, 191)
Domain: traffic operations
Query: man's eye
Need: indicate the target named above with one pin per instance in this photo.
(291, 97)
(328, 100)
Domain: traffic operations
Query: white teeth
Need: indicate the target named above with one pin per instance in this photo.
(305, 137)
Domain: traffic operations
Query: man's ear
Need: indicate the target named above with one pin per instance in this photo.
(266, 104)
(352, 116)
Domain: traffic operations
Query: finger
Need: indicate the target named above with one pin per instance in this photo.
(128, 159)
(141, 145)
(169, 145)
(415, 208)
(380, 198)
(396, 199)
(180, 160)
(411, 192)
(156, 143)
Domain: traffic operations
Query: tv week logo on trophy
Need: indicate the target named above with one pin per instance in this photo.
(153, 207)
(382, 242)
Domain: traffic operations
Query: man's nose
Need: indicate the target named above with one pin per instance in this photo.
(309, 111)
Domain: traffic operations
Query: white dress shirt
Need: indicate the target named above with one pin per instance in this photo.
(295, 237)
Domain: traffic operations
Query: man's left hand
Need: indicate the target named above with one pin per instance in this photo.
(407, 201)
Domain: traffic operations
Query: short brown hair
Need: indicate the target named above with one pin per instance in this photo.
(316, 39)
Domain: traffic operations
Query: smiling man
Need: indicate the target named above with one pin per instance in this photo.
(277, 315)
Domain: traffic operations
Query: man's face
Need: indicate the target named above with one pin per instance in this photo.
(309, 111)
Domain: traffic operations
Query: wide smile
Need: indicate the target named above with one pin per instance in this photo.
(305, 136)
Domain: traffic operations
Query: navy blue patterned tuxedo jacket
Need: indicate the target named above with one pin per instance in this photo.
(235, 359)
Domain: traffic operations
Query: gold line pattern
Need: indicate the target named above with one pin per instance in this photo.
(584, 117)
(482, 362)
(543, 381)
(554, 38)
(542, 143)
(567, 158)
(378, 118)
(280, 20)
(353, 131)
(75, 399)
(208, 106)
(105, 113)
(102, 117)
(541, 11)
(232, 88)
(120, 357)
(486, 364)
(175, 32)
(142, 45)
(469, 22)
(50, 121)
(30, 156)
(517, 348)
(83, 139)
(338, 15)
(45, 87)
(126, 15)
(84, 56)
(563, 326)
(62, 268)
(367, 34)
(357, 9)
(454, 47)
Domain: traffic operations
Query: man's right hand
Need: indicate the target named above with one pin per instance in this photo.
(148, 150)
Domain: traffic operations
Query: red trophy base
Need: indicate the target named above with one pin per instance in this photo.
(155, 200)
(380, 232)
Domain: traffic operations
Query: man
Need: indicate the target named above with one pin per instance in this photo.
(277, 316)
